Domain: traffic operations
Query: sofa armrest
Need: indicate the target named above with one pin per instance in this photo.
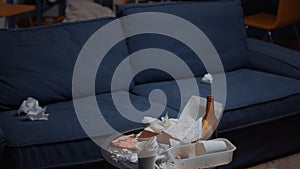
(272, 58)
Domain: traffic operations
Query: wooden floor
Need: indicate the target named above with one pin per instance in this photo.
(290, 162)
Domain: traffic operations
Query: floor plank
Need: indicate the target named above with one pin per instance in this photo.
(289, 162)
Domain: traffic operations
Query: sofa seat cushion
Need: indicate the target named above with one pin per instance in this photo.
(25, 139)
(224, 27)
(252, 96)
(39, 62)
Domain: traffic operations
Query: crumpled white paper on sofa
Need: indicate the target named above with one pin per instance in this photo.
(207, 78)
(31, 109)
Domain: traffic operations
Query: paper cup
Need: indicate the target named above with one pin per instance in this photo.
(213, 146)
(146, 158)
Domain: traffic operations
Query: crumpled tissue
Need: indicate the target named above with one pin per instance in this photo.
(188, 127)
(31, 109)
(207, 78)
(150, 144)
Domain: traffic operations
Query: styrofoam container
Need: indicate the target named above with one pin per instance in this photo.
(191, 161)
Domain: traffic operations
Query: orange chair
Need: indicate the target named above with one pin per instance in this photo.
(7, 10)
(288, 13)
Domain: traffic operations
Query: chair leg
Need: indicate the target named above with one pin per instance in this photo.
(270, 36)
(5, 23)
(30, 20)
(296, 31)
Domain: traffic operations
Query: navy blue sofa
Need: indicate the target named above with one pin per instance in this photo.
(263, 87)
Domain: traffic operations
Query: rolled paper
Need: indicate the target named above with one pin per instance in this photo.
(211, 146)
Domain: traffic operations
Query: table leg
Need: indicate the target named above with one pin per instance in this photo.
(39, 11)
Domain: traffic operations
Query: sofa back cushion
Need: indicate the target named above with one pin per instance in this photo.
(39, 62)
(222, 22)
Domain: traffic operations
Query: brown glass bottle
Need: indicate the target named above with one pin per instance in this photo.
(210, 117)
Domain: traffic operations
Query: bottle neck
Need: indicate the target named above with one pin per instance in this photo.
(209, 108)
(210, 98)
